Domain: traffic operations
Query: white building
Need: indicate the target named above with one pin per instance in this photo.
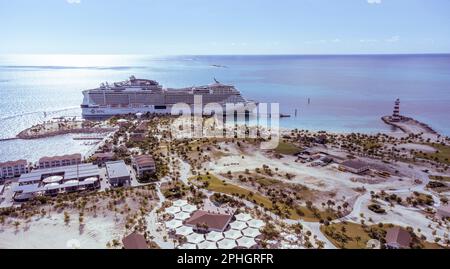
(118, 173)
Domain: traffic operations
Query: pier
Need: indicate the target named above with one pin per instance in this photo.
(406, 124)
(409, 125)
(8, 139)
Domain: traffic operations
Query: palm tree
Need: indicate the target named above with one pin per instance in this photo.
(17, 224)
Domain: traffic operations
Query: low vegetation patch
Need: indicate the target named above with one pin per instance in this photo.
(420, 199)
(376, 208)
(442, 154)
(440, 178)
(350, 235)
(174, 190)
(308, 213)
(287, 148)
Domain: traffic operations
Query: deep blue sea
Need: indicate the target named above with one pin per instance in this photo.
(346, 93)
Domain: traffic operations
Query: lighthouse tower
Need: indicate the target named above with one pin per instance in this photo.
(396, 115)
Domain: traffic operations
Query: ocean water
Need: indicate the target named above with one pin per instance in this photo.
(346, 93)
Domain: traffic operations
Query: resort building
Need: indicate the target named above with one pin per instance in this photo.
(354, 166)
(209, 221)
(143, 163)
(398, 238)
(134, 241)
(13, 169)
(57, 161)
(51, 181)
(137, 137)
(118, 173)
(102, 158)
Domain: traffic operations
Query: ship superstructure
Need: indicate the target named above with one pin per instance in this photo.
(143, 95)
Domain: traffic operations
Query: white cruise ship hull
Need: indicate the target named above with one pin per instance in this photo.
(109, 112)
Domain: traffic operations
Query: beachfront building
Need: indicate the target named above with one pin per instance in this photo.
(102, 158)
(137, 137)
(398, 238)
(57, 161)
(118, 173)
(51, 181)
(208, 221)
(13, 169)
(354, 166)
(144, 164)
(134, 241)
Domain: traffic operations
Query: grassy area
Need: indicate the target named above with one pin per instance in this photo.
(175, 190)
(355, 236)
(287, 148)
(442, 155)
(370, 145)
(349, 235)
(263, 181)
(440, 178)
(212, 183)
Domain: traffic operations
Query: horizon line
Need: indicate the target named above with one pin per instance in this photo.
(237, 54)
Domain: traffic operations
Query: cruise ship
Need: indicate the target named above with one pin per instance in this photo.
(142, 95)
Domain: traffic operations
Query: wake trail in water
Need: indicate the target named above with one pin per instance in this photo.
(48, 112)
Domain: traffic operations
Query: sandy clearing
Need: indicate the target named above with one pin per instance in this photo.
(417, 147)
(53, 233)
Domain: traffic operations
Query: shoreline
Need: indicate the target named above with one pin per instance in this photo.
(409, 125)
(24, 134)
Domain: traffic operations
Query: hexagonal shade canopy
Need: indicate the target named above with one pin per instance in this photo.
(246, 242)
(180, 203)
(173, 209)
(243, 217)
(251, 232)
(173, 224)
(195, 238)
(256, 223)
(226, 244)
(189, 208)
(184, 231)
(182, 215)
(232, 234)
(238, 225)
(214, 236)
(207, 245)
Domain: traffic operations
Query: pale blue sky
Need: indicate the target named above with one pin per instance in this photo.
(162, 27)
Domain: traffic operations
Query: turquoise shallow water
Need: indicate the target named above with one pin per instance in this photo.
(347, 93)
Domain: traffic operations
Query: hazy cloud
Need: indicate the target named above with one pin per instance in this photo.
(393, 39)
(368, 40)
(374, 2)
(73, 2)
